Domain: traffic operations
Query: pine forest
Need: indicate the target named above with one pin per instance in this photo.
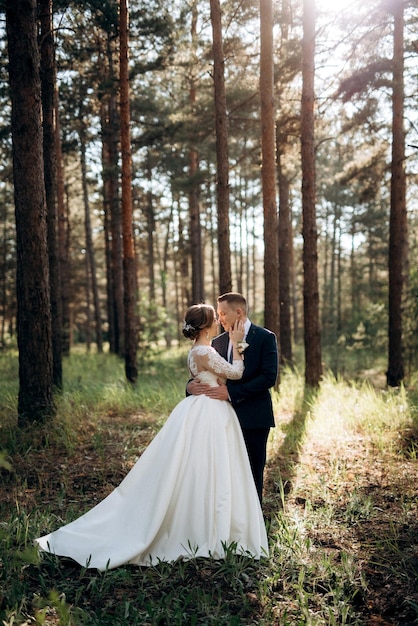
(154, 155)
(158, 154)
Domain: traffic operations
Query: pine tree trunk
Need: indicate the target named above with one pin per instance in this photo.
(268, 171)
(398, 222)
(91, 265)
(221, 131)
(198, 289)
(63, 238)
(35, 401)
(110, 125)
(88, 324)
(107, 223)
(284, 218)
(116, 226)
(294, 290)
(183, 263)
(110, 301)
(129, 269)
(48, 78)
(312, 338)
(285, 256)
(150, 229)
(165, 272)
(5, 244)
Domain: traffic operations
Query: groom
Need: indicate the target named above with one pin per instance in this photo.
(250, 396)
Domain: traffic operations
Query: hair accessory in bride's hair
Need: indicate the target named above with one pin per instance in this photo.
(188, 327)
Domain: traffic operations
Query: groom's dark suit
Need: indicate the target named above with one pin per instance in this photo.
(250, 396)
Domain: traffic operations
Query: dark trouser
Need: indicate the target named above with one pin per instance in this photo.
(256, 442)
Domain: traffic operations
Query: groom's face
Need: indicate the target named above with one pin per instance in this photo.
(228, 315)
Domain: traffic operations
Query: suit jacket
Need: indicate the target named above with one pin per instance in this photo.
(250, 396)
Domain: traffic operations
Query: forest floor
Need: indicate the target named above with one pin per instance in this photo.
(370, 499)
(373, 496)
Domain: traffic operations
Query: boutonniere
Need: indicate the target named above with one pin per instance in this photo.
(242, 346)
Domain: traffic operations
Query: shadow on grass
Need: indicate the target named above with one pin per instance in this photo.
(284, 455)
(382, 518)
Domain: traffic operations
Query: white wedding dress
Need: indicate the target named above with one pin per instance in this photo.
(190, 494)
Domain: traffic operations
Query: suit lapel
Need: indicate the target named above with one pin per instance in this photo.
(221, 345)
(251, 335)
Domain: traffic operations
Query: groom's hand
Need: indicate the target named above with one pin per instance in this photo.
(217, 393)
(196, 388)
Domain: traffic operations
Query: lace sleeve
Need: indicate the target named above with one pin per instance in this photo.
(205, 358)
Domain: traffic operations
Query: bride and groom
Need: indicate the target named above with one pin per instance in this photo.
(196, 490)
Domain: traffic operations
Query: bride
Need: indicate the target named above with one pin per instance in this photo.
(191, 493)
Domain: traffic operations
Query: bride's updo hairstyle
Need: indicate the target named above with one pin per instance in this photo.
(198, 317)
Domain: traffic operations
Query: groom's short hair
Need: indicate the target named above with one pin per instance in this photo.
(233, 298)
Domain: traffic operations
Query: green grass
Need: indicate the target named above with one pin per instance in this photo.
(340, 506)
(93, 385)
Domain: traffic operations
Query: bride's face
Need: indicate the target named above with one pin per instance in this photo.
(214, 329)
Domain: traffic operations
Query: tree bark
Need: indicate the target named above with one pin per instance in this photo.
(90, 257)
(312, 336)
(113, 219)
(285, 255)
(7, 282)
(63, 238)
(284, 218)
(129, 269)
(221, 131)
(107, 223)
(48, 80)
(398, 221)
(35, 402)
(198, 288)
(183, 262)
(116, 228)
(150, 230)
(268, 171)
